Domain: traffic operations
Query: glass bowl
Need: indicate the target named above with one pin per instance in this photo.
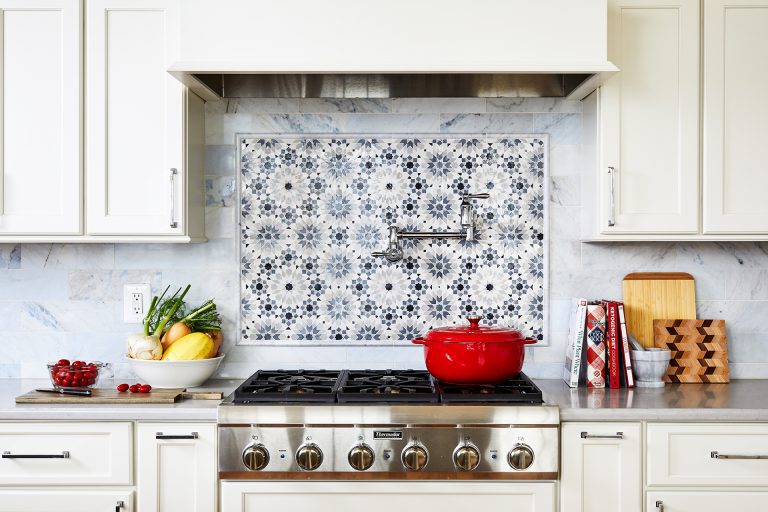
(78, 374)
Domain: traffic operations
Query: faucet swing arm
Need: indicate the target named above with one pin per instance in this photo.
(394, 250)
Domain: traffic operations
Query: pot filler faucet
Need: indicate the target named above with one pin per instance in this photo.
(468, 231)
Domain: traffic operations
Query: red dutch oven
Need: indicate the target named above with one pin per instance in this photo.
(474, 354)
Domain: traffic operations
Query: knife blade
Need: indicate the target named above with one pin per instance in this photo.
(77, 392)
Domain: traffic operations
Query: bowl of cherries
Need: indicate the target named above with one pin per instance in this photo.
(77, 374)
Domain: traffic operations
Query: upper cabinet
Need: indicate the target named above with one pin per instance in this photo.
(142, 177)
(40, 117)
(649, 120)
(135, 119)
(663, 169)
(735, 116)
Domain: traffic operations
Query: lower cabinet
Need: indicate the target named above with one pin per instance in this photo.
(176, 467)
(386, 496)
(601, 467)
(704, 501)
(66, 500)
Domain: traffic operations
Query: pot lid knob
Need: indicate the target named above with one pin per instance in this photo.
(474, 321)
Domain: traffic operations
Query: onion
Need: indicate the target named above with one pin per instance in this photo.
(144, 347)
(176, 332)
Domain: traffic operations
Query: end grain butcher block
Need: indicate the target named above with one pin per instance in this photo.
(699, 352)
(113, 396)
(649, 296)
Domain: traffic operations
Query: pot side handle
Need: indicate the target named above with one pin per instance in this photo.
(529, 341)
(418, 341)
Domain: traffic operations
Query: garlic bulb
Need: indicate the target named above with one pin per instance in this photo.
(144, 347)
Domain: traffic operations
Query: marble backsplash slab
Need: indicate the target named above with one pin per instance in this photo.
(65, 299)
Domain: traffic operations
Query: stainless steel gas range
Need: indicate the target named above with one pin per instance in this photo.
(283, 428)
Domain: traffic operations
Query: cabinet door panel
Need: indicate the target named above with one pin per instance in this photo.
(386, 496)
(176, 474)
(81, 500)
(702, 501)
(40, 122)
(650, 119)
(735, 113)
(601, 475)
(135, 118)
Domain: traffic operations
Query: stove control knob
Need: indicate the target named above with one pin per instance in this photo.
(309, 457)
(520, 457)
(361, 457)
(255, 457)
(466, 457)
(415, 457)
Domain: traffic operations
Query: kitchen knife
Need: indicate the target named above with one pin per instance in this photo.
(78, 392)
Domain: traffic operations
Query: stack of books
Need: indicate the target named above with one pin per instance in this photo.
(598, 350)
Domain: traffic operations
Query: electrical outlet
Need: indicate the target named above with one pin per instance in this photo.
(136, 299)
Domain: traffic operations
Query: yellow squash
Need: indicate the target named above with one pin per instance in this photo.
(192, 346)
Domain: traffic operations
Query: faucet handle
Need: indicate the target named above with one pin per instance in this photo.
(480, 195)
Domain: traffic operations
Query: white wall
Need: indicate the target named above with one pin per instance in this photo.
(64, 300)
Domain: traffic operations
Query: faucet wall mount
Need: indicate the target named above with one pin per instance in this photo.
(468, 231)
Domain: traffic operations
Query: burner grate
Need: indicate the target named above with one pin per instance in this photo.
(518, 391)
(289, 386)
(401, 386)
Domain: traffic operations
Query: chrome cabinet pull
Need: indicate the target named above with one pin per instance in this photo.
(716, 455)
(612, 218)
(160, 435)
(9, 455)
(617, 435)
(120, 504)
(660, 506)
(174, 172)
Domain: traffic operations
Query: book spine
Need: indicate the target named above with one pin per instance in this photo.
(628, 372)
(575, 343)
(613, 346)
(595, 346)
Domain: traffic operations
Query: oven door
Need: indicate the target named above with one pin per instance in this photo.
(338, 496)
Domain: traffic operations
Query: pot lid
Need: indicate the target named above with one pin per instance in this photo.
(474, 332)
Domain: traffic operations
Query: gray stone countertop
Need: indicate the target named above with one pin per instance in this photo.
(741, 400)
(184, 410)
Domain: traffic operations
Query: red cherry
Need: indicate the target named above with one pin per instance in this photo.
(78, 364)
(63, 362)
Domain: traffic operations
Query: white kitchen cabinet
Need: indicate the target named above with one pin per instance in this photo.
(177, 467)
(66, 500)
(460, 496)
(601, 467)
(137, 170)
(706, 454)
(66, 453)
(40, 117)
(648, 142)
(735, 113)
(703, 501)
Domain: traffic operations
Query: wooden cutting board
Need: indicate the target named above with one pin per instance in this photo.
(113, 396)
(649, 296)
(699, 351)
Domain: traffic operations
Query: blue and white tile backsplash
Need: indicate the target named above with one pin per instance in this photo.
(65, 299)
(314, 209)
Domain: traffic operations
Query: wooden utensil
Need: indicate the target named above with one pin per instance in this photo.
(699, 351)
(112, 396)
(656, 295)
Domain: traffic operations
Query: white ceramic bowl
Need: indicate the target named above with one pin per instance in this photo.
(174, 374)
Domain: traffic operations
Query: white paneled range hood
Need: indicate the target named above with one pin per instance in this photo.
(398, 48)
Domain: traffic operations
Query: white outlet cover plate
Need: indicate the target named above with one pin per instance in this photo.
(129, 315)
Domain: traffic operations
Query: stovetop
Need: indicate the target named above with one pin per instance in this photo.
(376, 387)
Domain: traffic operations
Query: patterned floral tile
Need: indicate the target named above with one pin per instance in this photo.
(314, 209)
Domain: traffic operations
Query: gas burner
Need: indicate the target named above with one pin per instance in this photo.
(518, 391)
(289, 386)
(400, 386)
